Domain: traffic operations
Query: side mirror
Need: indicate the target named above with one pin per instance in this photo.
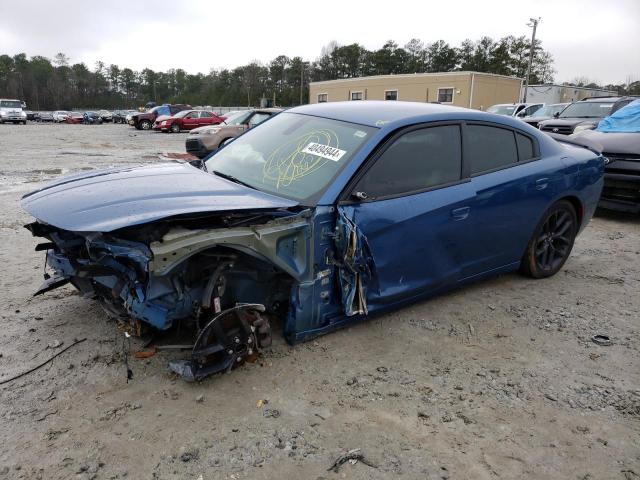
(521, 114)
(556, 115)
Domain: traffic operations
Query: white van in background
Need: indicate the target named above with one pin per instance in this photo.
(11, 111)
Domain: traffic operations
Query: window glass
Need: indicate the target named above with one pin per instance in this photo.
(533, 109)
(258, 118)
(205, 115)
(489, 148)
(445, 95)
(525, 147)
(10, 104)
(418, 160)
(295, 156)
(322, 97)
(587, 110)
(502, 109)
(238, 118)
(391, 95)
(356, 95)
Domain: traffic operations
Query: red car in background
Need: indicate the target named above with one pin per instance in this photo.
(74, 117)
(187, 120)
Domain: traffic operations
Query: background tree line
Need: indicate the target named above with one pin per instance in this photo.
(48, 84)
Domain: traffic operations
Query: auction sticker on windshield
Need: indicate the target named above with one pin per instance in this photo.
(324, 151)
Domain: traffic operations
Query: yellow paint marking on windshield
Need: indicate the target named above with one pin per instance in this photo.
(289, 163)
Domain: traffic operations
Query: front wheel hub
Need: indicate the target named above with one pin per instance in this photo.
(228, 340)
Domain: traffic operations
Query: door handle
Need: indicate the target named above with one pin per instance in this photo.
(460, 213)
(542, 183)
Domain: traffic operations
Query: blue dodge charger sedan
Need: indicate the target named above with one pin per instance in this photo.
(317, 218)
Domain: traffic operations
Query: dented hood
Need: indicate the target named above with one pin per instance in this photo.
(106, 200)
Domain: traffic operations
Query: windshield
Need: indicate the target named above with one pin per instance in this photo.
(548, 110)
(10, 104)
(502, 109)
(291, 155)
(587, 110)
(237, 118)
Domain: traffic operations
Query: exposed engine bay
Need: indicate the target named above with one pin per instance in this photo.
(224, 276)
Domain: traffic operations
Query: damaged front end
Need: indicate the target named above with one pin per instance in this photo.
(224, 275)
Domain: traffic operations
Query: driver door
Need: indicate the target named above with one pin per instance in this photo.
(402, 225)
(190, 121)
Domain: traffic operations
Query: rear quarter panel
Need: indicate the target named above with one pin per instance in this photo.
(585, 178)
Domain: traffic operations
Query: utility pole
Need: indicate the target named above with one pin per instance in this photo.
(533, 22)
(301, 79)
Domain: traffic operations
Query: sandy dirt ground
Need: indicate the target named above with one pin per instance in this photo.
(498, 380)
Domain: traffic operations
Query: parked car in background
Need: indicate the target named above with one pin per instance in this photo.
(92, 118)
(106, 115)
(544, 113)
(60, 116)
(145, 120)
(515, 109)
(130, 115)
(584, 114)
(186, 120)
(74, 117)
(204, 140)
(31, 115)
(618, 137)
(312, 217)
(11, 111)
(120, 116)
(45, 117)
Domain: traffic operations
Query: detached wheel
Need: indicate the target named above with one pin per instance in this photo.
(552, 241)
(145, 125)
(175, 128)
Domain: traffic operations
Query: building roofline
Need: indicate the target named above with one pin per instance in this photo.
(542, 85)
(412, 75)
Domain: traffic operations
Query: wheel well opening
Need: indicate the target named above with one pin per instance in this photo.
(577, 206)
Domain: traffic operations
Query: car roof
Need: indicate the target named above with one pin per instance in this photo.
(603, 99)
(269, 110)
(374, 112)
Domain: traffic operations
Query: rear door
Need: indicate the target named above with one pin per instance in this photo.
(402, 222)
(512, 187)
(206, 118)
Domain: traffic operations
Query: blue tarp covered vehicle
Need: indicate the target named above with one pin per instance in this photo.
(625, 120)
(317, 218)
(618, 137)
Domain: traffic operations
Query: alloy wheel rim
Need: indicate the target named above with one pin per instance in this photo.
(554, 241)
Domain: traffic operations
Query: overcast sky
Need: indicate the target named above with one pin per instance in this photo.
(598, 39)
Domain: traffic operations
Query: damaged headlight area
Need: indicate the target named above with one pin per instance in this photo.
(224, 283)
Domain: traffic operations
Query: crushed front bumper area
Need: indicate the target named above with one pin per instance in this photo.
(222, 284)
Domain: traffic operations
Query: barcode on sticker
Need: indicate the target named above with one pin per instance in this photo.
(324, 151)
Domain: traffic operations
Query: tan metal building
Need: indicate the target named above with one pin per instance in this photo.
(464, 89)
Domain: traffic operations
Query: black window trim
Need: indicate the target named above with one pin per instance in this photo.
(346, 196)
(465, 160)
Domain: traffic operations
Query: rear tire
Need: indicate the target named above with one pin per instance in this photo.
(552, 241)
(145, 125)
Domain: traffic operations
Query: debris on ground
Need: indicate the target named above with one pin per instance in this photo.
(42, 364)
(140, 354)
(352, 456)
(602, 340)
